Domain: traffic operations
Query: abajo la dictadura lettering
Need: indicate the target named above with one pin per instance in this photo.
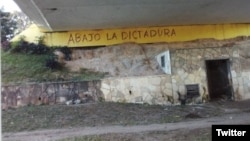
(79, 37)
(128, 35)
(153, 33)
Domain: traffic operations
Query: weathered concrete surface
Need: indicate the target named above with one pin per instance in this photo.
(188, 67)
(146, 89)
(121, 60)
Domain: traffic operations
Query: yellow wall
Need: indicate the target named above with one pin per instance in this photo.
(31, 34)
(142, 35)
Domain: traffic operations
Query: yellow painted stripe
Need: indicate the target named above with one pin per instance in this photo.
(31, 34)
(87, 38)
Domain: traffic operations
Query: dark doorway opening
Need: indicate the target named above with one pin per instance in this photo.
(219, 79)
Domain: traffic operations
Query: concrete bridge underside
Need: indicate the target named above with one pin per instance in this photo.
(65, 15)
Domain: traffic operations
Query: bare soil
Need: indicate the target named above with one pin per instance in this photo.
(130, 122)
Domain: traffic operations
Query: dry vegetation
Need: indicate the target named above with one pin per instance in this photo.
(98, 114)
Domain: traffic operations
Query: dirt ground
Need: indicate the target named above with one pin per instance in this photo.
(144, 123)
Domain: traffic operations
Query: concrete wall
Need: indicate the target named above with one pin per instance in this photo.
(242, 75)
(110, 37)
(136, 77)
(188, 67)
(126, 60)
(145, 89)
(49, 93)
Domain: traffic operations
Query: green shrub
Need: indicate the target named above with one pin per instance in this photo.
(6, 46)
(25, 47)
(67, 52)
(52, 64)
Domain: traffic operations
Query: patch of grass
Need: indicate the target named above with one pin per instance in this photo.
(87, 75)
(109, 137)
(95, 114)
(19, 68)
(105, 137)
(178, 135)
(61, 116)
(85, 138)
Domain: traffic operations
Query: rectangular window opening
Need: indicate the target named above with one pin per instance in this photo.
(192, 90)
(163, 61)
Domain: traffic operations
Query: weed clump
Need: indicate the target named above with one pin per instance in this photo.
(52, 64)
(25, 47)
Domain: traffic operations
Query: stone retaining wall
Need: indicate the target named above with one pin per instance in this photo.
(136, 76)
(146, 89)
(188, 66)
(130, 59)
(242, 75)
(49, 93)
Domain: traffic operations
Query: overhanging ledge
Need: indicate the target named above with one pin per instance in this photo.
(65, 15)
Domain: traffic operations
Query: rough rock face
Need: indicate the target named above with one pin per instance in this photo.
(133, 59)
(122, 60)
(187, 64)
(147, 89)
(150, 85)
(244, 54)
